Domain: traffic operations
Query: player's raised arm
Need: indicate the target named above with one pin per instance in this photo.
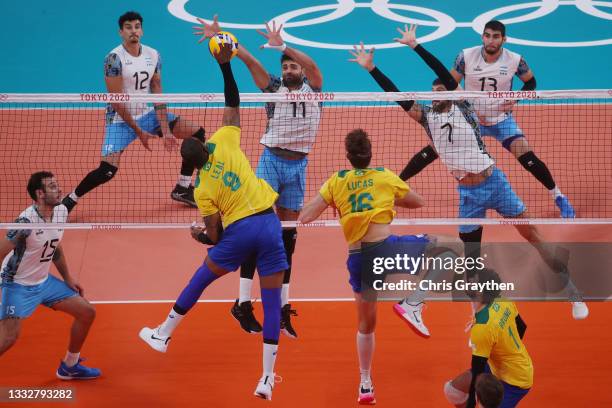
(365, 59)
(311, 69)
(257, 70)
(231, 113)
(408, 37)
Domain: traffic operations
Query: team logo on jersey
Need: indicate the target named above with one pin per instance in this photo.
(477, 69)
(503, 70)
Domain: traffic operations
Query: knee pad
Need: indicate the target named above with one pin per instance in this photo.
(453, 395)
(106, 171)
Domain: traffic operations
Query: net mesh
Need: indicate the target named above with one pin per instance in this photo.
(570, 131)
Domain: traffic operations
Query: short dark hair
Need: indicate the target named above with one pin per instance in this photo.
(36, 182)
(358, 148)
(437, 81)
(489, 390)
(194, 153)
(496, 26)
(285, 57)
(129, 16)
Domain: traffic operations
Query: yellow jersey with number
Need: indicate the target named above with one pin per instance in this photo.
(494, 335)
(363, 196)
(227, 183)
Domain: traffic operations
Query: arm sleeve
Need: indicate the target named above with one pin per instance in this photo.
(388, 86)
(437, 67)
(16, 235)
(479, 365)
(459, 64)
(521, 326)
(529, 85)
(112, 65)
(273, 84)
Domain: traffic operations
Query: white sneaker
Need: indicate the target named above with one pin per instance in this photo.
(154, 339)
(412, 315)
(366, 393)
(580, 310)
(265, 386)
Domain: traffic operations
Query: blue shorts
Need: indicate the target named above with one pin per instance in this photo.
(353, 263)
(21, 300)
(261, 235)
(286, 177)
(494, 193)
(505, 131)
(118, 136)
(512, 394)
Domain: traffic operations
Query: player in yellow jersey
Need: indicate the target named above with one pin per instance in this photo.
(365, 198)
(237, 210)
(497, 347)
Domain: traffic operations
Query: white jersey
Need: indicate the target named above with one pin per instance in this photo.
(136, 73)
(456, 137)
(496, 76)
(291, 125)
(29, 263)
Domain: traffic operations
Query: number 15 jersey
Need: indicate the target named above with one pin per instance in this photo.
(28, 264)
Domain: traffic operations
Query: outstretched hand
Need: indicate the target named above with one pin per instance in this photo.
(408, 36)
(363, 57)
(225, 53)
(206, 30)
(272, 35)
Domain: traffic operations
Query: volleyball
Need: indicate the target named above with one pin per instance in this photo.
(222, 37)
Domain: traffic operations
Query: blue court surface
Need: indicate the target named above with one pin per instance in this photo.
(60, 46)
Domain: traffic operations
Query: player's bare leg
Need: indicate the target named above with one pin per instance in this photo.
(366, 324)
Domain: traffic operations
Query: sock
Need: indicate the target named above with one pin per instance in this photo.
(555, 192)
(73, 197)
(365, 350)
(192, 292)
(244, 293)
(173, 320)
(270, 299)
(71, 359)
(538, 168)
(269, 358)
(284, 294)
(184, 181)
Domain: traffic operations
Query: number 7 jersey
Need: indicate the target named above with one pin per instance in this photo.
(28, 264)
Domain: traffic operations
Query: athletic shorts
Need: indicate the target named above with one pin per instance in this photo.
(21, 300)
(118, 136)
(494, 193)
(260, 235)
(353, 263)
(504, 132)
(512, 394)
(286, 177)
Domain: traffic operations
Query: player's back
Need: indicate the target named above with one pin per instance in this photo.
(29, 262)
(227, 183)
(495, 335)
(363, 196)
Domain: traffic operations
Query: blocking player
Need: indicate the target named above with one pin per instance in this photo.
(290, 134)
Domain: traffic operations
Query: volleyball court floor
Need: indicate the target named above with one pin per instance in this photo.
(212, 362)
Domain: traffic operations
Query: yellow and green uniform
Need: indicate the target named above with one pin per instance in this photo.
(363, 196)
(495, 336)
(227, 183)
